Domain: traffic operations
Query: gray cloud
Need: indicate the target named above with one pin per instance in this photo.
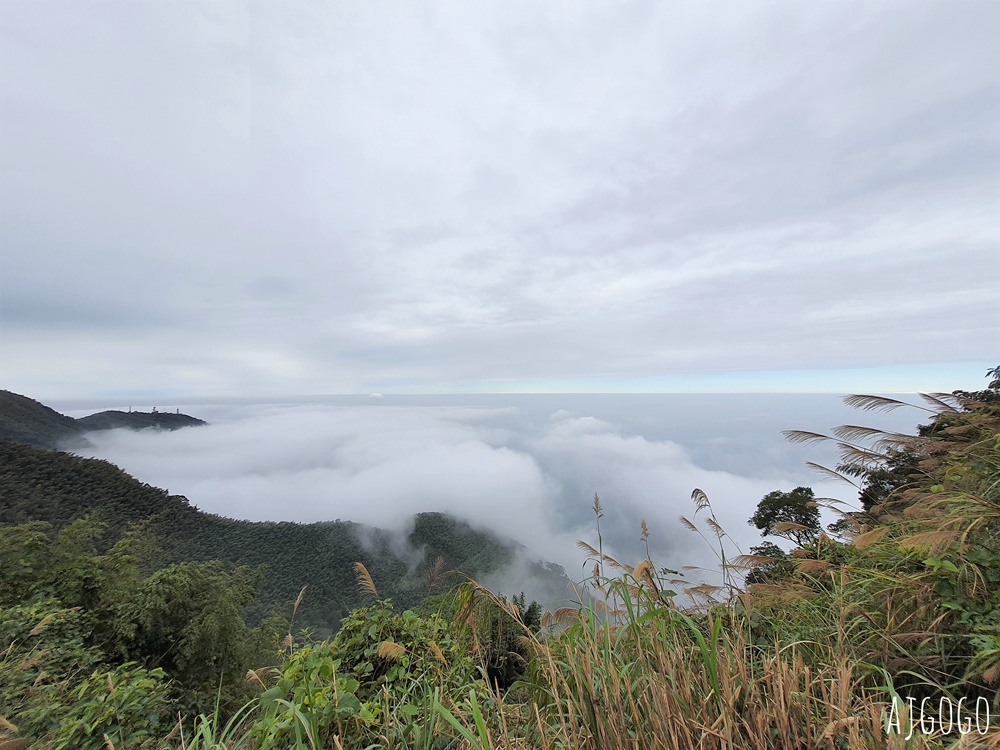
(224, 199)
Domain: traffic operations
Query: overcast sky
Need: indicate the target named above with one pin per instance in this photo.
(233, 198)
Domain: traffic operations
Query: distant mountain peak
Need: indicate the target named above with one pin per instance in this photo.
(28, 421)
(138, 420)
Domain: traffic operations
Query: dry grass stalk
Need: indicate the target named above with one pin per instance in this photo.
(365, 582)
(868, 538)
(812, 567)
(42, 624)
(390, 650)
(437, 653)
(435, 574)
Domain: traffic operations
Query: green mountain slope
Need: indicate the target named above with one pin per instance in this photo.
(41, 485)
(26, 420)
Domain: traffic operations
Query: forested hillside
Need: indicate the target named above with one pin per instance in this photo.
(41, 485)
(27, 421)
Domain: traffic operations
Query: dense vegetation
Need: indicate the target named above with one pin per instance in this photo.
(58, 488)
(898, 602)
(27, 421)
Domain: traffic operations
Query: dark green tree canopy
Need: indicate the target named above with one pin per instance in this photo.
(797, 507)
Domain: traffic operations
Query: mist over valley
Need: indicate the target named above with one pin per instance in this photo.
(525, 467)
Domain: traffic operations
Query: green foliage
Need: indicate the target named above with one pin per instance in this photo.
(188, 620)
(65, 608)
(994, 375)
(475, 553)
(778, 568)
(392, 653)
(23, 550)
(58, 488)
(27, 421)
(215, 731)
(793, 515)
(43, 653)
(310, 703)
(374, 683)
(499, 634)
(128, 705)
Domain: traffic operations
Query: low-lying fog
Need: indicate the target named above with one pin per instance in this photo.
(526, 466)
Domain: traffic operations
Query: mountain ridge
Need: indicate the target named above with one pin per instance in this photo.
(29, 421)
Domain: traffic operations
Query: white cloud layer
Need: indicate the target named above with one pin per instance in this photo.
(223, 198)
(520, 466)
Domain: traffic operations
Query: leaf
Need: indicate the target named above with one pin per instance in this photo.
(269, 696)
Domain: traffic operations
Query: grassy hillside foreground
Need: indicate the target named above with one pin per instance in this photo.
(885, 634)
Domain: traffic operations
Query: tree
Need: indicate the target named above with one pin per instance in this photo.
(793, 515)
(188, 620)
(994, 375)
(779, 568)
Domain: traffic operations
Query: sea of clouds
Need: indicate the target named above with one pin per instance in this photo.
(525, 466)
